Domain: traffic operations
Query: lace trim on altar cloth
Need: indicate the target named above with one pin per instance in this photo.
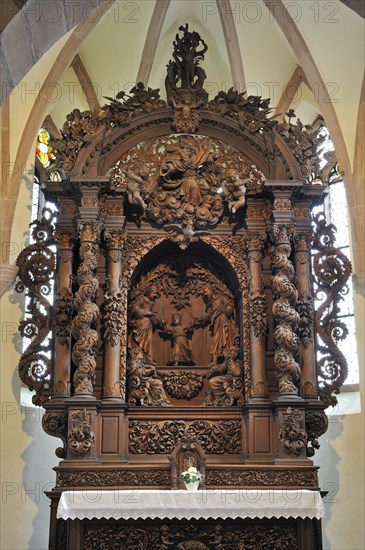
(204, 503)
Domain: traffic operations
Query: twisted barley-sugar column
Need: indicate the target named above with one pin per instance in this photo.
(85, 347)
(63, 313)
(255, 245)
(302, 244)
(112, 318)
(286, 317)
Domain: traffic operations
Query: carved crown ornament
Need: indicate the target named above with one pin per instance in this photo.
(185, 108)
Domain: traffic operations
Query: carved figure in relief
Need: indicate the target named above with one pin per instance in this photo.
(137, 183)
(144, 320)
(143, 386)
(235, 187)
(220, 316)
(225, 380)
(181, 352)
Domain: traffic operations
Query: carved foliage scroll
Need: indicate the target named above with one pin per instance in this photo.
(332, 270)
(36, 264)
(216, 437)
(234, 477)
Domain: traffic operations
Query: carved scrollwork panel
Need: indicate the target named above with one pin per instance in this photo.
(332, 270)
(216, 437)
(36, 265)
(117, 478)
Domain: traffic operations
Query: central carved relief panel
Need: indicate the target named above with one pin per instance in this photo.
(183, 328)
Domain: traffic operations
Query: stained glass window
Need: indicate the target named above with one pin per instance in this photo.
(43, 149)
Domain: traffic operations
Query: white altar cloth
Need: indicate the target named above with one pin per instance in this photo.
(204, 503)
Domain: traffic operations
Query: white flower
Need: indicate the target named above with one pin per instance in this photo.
(192, 470)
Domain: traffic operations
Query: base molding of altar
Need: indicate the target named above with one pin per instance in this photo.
(180, 520)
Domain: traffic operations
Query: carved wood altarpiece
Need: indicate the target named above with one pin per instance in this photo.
(183, 306)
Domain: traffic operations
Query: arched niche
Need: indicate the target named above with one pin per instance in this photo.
(180, 278)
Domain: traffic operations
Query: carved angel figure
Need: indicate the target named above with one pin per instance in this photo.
(181, 352)
(144, 320)
(219, 315)
(143, 386)
(225, 380)
(234, 187)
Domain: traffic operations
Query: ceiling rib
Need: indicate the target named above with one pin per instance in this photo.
(50, 125)
(151, 42)
(289, 93)
(314, 77)
(86, 84)
(232, 44)
(41, 104)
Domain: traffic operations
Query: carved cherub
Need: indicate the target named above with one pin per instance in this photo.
(234, 186)
(137, 183)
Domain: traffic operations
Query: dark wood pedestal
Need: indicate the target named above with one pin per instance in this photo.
(158, 534)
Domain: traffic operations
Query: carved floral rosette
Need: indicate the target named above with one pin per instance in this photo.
(84, 349)
(332, 270)
(182, 384)
(36, 265)
(286, 317)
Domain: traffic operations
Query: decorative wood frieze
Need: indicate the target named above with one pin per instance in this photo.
(218, 437)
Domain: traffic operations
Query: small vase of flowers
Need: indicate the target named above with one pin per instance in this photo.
(192, 478)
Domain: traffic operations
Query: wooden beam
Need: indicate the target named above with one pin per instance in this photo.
(232, 44)
(289, 93)
(151, 42)
(86, 84)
